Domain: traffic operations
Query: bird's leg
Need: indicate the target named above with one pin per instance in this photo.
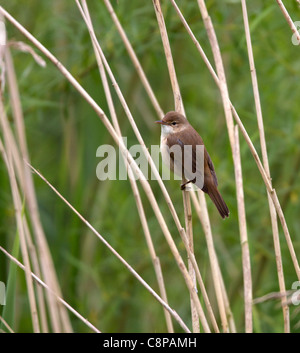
(182, 186)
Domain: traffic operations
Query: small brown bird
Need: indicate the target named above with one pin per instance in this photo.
(176, 130)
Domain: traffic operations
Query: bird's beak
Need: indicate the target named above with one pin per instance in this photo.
(161, 122)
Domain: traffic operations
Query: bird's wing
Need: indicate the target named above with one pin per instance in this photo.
(187, 164)
(175, 146)
(211, 167)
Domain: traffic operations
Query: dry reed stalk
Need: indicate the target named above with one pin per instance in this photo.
(289, 20)
(201, 210)
(236, 161)
(189, 232)
(31, 249)
(169, 58)
(42, 310)
(144, 182)
(179, 107)
(229, 313)
(273, 296)
(51, 291)
(134, 59)
(8, 159)
(270, 189)
(57, 312)
(6, 325)
(115, 253)
(203, 291)
(135, 190)
(219, 67)
(37, 278)
(273, 215)
(20, 228)
(216, 276)
(244, 238)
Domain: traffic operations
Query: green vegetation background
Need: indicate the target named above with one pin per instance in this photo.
(63, 134)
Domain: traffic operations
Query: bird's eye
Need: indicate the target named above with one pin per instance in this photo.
(174, 123)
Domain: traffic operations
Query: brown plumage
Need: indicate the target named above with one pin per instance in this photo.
(176, 130)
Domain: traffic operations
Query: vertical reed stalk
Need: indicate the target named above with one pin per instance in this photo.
(25, 177)
(224, 94)
(263, 145)
(8, 158)
(134, 59)
(270, 189)
(289, 20)
(244, 238)
(179, 108)
(135, 190)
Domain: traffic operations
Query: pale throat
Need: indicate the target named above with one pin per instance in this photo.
(167, 129)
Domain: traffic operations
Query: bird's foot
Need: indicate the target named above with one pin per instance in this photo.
(182, 186)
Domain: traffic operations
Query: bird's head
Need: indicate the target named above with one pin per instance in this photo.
(173, 122)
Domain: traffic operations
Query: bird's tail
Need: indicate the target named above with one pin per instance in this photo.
(217, 199)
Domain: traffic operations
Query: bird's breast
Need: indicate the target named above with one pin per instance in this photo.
(165, 152)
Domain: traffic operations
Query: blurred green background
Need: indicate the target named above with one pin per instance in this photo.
(63, 134)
